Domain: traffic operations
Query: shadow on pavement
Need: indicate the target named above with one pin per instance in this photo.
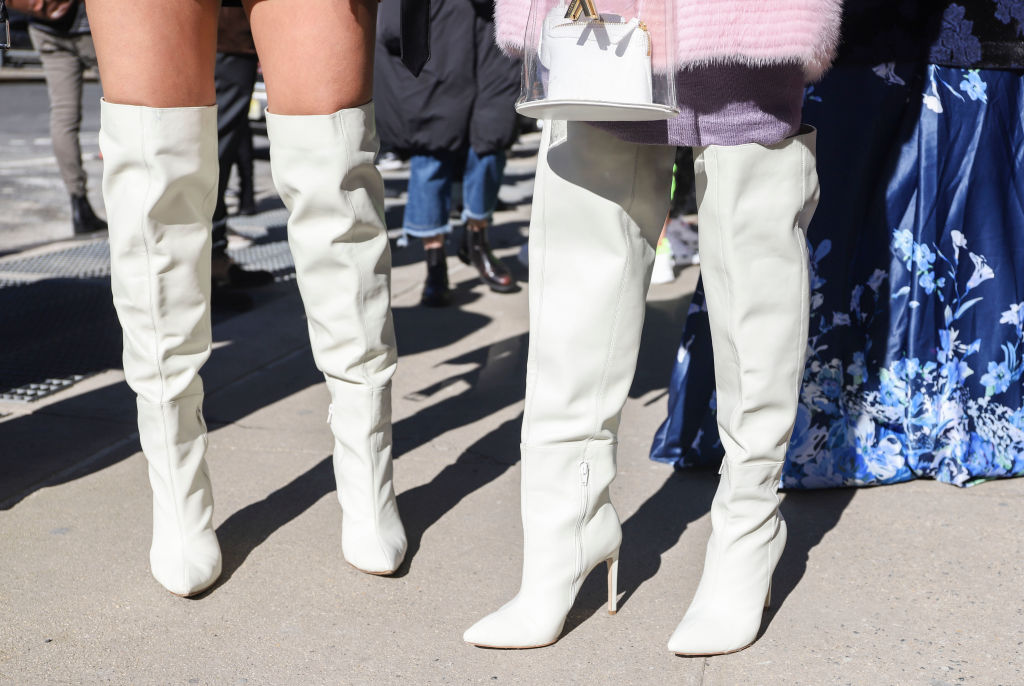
(65, 326)
(496, 381)
(246, 529)
(652, 530)
(68, 326)
(810, 515)
(425, 505)
(685, 497)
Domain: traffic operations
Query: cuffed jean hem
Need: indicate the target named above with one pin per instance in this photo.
(427, 232)
(477, 216)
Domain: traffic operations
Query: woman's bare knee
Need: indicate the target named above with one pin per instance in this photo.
(317, 55)
(157, 53)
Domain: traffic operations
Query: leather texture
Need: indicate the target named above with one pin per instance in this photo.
(476, 251)
(436, 289)
(323, 168)
(159, 185)
(598, 210)
(754, 206)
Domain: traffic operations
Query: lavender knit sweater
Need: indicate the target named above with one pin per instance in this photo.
(726, 105)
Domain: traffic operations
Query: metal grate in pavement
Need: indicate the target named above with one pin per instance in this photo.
(88, 260)
(35, 391)
(57, 331)
(274, 257)
(92, 260)
(8, 283)
(258, 224)
(59, 322)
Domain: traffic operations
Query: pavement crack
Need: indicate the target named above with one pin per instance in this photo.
(489, 458)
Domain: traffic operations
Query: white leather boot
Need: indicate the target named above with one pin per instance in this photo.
(323, 169)
(159, 186)
(755, 203)
(598, 210)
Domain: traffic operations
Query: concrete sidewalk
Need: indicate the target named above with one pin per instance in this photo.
(913, 584)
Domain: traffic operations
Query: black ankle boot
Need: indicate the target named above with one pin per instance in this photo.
(83, 219)
(476, 251)
(436, 292)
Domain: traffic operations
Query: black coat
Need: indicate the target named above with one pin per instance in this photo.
(464, 97)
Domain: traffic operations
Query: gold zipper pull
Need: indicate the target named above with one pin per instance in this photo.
(578, 7)
(643, 27)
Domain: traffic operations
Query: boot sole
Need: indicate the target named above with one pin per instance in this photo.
(511, 288)
(724, 652)
(484, 645)
(364, 571)
(193, 594)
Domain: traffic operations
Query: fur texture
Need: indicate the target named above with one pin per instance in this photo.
(748, 32)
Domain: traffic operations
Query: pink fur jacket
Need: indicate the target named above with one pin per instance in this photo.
(742, 32)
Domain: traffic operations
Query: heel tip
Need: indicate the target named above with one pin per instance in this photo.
(613, 612)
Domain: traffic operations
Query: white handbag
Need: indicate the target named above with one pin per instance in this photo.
(593, 68)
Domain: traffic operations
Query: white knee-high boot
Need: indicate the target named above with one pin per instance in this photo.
(755, 203)
(323, 169)
(159, 185)
(599, 207)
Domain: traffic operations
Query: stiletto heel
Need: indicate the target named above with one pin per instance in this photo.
(613, 584)
(768, 598)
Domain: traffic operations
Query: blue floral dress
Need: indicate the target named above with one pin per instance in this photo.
(915, 364)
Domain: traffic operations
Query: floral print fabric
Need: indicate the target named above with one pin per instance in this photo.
(916, 350)
(971, 34)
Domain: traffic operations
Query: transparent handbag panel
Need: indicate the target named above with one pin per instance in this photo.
(599, 60)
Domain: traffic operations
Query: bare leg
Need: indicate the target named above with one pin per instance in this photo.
(317, 55)
(156, 53)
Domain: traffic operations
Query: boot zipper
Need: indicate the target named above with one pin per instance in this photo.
(584, 480)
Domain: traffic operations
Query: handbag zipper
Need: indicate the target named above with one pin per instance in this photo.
(640, 25)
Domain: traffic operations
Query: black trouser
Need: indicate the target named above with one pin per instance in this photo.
(234, 76)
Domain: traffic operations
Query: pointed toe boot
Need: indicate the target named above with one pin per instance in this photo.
(589, 222)
(323, 169)
(159, 183)
(754, 205)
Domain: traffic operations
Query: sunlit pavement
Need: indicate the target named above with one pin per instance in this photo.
(912, 584)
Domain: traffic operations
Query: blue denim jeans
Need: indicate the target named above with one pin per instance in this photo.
(430, 190)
